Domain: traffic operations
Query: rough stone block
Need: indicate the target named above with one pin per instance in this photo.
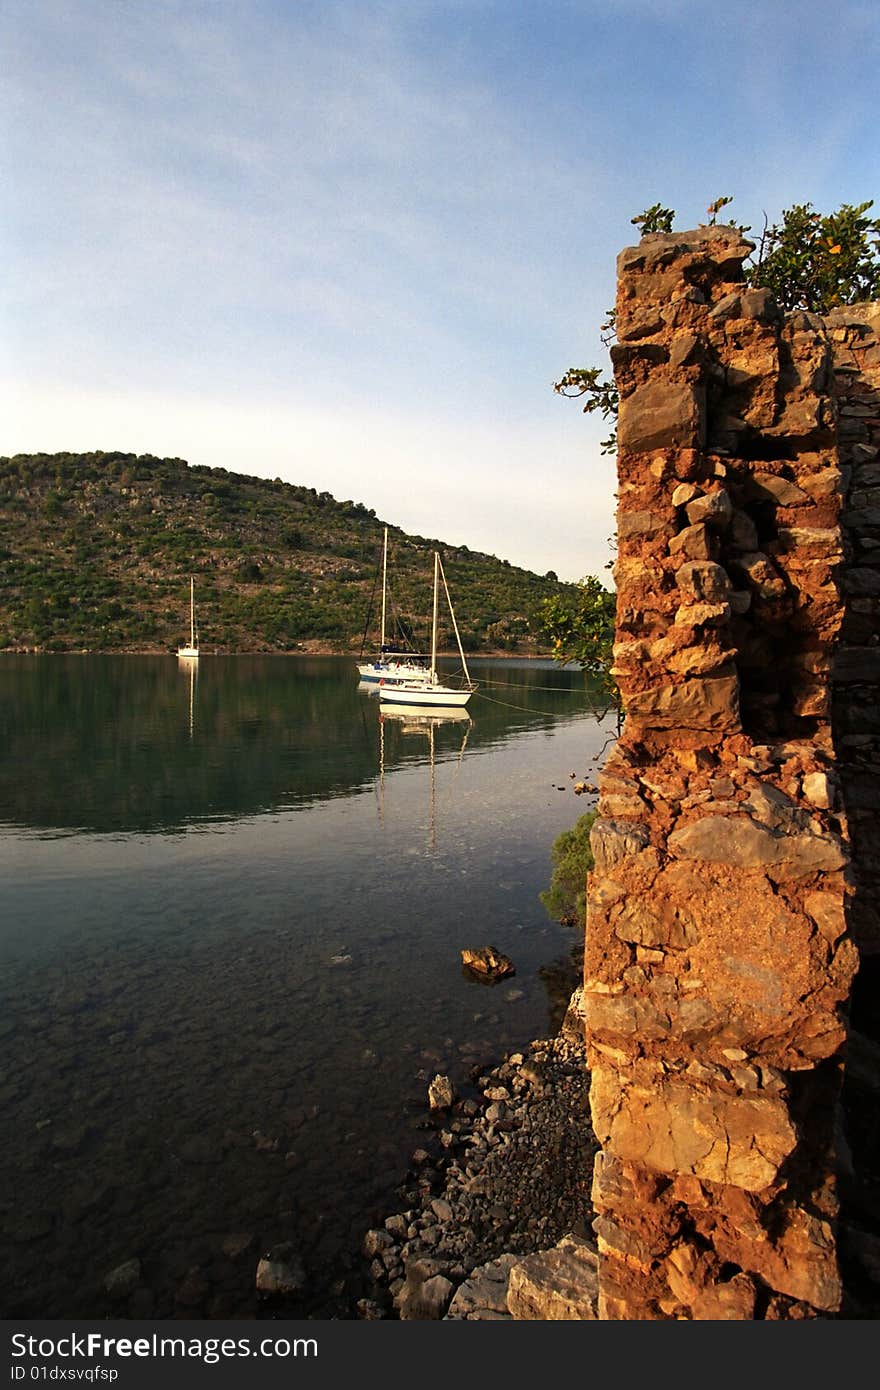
(612, 841)
(710, 703)
(779, 490)
(703, 580)
(693, 543)
(661, 415)
(715, 508)
(557, 1284)
(676, 1127)
(740, 841)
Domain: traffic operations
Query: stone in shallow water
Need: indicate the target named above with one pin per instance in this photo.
(236, 1244)
(280, 1271)
(124, 1279)
(487, 962)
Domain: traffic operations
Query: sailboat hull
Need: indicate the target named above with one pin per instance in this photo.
(423, 696)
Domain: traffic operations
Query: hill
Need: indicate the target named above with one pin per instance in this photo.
(96, 551)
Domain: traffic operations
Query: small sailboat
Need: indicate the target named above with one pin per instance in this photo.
(391, 664)
(190, 651)
(430, 691)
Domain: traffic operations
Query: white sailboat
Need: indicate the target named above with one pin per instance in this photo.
(190, 651)
(430, 691)
(391, 664)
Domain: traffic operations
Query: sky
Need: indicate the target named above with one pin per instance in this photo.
(353, 243)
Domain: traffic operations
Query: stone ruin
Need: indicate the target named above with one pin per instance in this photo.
(736, 866)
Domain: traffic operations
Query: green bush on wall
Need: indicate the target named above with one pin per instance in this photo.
(566, 898)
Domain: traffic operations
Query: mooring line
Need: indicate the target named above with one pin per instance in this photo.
(529, 709)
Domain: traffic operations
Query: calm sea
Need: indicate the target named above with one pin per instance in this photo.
(232, 902)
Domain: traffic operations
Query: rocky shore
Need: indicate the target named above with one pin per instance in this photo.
(496, 1205)
(496, 1220)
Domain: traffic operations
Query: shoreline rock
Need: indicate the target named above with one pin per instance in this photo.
(504, 1195)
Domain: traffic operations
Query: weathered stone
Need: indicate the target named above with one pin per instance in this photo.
(702, 614)
(728, 1302)
(772, 806)
(817, 540)
(693, 542)
(483, 1292)
(676, 1128)
(704, 580)
(818, 789)
(637, 923)
(743, 304)
(760, 573)
(781, 490)
(640, 524)
(686, 350)
(557, 1284)
(717, 957)
(625, 1014)
(613, 841)
(826, 910)
(740, 841)
(699, 661)
(712, 703)
(425, 1300)
(661, 415)
(684, 493)
(714, 508)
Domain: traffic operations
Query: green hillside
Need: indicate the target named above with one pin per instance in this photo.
(96, 551)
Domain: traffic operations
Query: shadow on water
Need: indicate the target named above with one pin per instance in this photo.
(219, 1037)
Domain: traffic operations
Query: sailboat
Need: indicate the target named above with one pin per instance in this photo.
(430, 691)
(391, 664)
(190, 651)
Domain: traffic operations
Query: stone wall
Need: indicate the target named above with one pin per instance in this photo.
(718, 960)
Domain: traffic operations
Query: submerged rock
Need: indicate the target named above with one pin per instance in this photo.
(281, 1271)
(487, 962)
(124, 1279)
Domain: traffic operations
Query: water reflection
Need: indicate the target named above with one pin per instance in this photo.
(415, 722)
(106, 744)
(189, 667)
(226, 1029)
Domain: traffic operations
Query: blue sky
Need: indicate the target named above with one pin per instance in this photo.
(352, 244)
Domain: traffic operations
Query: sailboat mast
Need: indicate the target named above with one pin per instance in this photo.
(434, 621)
(384, 572)
(192, 612)
(464, 666)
